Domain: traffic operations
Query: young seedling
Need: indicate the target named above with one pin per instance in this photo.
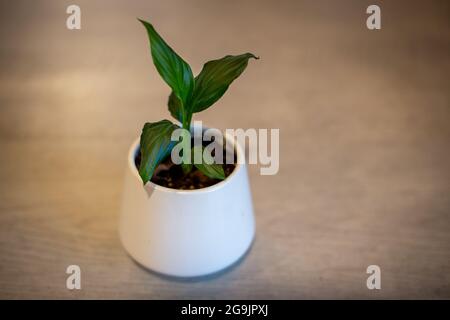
(189, 95)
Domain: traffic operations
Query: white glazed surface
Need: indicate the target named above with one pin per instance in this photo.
(187, 233)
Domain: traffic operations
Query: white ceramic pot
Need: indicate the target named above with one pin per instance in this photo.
(187, 233)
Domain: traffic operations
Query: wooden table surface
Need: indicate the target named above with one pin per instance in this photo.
(364, 144)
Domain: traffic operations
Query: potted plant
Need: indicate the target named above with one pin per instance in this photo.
(186, 219)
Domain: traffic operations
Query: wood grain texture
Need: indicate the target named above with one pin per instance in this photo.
(364, 126)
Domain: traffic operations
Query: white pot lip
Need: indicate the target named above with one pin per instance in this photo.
(238, 167)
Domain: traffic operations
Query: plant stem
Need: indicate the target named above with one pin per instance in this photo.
(187, 122)
(186, 125)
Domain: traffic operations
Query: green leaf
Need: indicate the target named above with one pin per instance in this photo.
(213, 170)
(172, 68)
(156, 145)
(214, 79)
(175, 107)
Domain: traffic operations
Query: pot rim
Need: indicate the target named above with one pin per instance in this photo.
(132, 166)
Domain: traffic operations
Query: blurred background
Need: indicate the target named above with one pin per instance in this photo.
(364, 143)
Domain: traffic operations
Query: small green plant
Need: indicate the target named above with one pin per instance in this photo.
(189, 95)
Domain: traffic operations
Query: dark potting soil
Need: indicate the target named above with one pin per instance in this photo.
(170, 175)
